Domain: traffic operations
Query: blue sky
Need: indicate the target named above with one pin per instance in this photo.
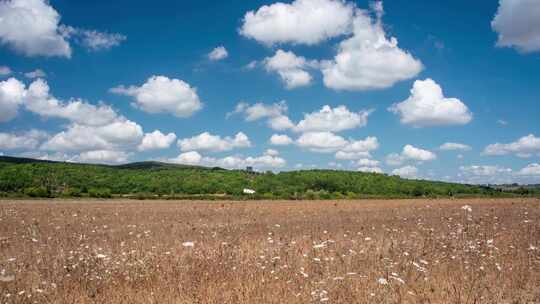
(399, 81)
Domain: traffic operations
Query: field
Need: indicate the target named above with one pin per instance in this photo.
(400, 251)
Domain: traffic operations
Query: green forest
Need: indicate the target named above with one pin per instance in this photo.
(20, 177)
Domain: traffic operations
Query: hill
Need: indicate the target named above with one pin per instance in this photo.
(37, 178)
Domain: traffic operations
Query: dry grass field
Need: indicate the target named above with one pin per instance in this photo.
(408, 251)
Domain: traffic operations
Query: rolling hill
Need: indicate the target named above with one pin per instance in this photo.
(23, 177)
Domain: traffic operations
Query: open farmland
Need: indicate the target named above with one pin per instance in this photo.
(400, 251)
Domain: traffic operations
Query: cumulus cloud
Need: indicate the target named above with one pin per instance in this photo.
(369, 165)
(342, 155)
(530, 170)
(156, 140)
(118, 135)
(410, 153)
(38, 73)
(274, 113)
(22, 141)
(517, 23)
(323, 142)
(218, 53)
(191, 158)
(484, 170)
(103, 156)
(327, 119)
(427, 107)
(271, 152)
(290, 68)
(12, 92)
(450, 146)
(163, 95)
(355, 149)
(302, 22)
(5, 70)
(39, 100)
(406, 172)
(524, 147)
(365, 162)
(214, 143)
(370, 169)
(230, 162)
(369, 60)
(333, 120)
(370, 143)
(328, 142)
(91, 127)
(280, 140)
(32, 28)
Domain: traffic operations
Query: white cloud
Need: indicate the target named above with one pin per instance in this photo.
(290, 68)
(368, 59)
(366, 145)
(332, 120)
(341, 155)
(260, 110)
(523, 147)
(40, 101)
(218, 53)
(406, 172)
(484, 170)
(517, 23)
(328, 142)
(156, 140)
(104, 156)
(97, 41)
(118, 135)
(163, 95)
(271, 152)
(214, 143)
(251, 65)
(302, 21)
(274, 113)
(4, 70)
(38, 73)
(325, 120)
(531, 170)
(31, 27)
(25, 141)
(12, 93)
(370, 169)
(357, 149)
(365, 162)
(188, 158)
(91, 128)
(323, 142)
(230, 162)
(428, 107)
(450, 146)
(280, 140)
(411, 153)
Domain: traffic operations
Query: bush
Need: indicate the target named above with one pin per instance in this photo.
(72, 192)
(100, 193)
(37, 192)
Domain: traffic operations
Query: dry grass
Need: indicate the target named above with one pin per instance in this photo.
(415, 251)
